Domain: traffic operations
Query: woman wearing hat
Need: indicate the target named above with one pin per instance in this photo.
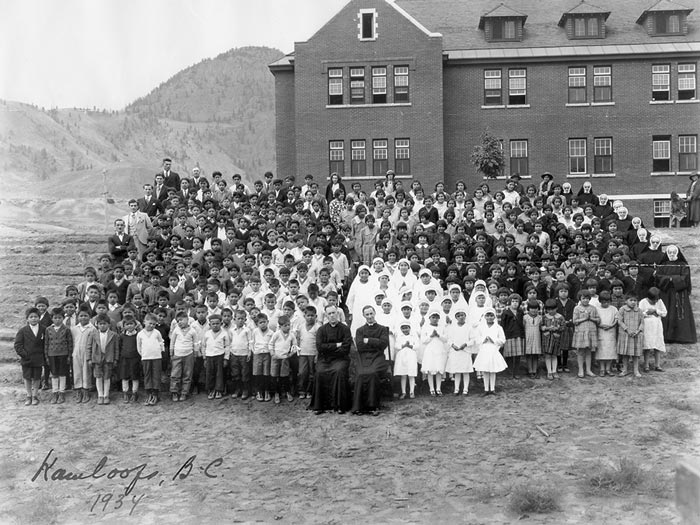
(692, 197)
(546, 185)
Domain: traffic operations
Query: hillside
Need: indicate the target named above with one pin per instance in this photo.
(218, 114)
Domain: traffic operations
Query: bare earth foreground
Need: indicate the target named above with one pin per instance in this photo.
(426, 460)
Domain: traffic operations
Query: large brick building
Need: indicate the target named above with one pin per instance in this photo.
(603, 91)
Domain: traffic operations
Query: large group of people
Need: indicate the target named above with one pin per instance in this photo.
(342, 295)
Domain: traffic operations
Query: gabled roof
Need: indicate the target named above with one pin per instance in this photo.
(661, 6)
(454, 19)
(501, 11)
(583, 8)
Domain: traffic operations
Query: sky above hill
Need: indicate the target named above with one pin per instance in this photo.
(106, 53)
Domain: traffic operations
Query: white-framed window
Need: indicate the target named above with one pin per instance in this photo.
(380, 157)
(368, 24)
(492, 87)
(687, 152)
(357, 85)
(401, 84)
(335, 86)
(577, 156)
(358, 158)
(336, 157)
(661, 82)
(577, 85)
(661, 153)
(603, 155)
(686, 81)
(519, 157)
(586, 27)
(517, 86)
(602, 84)
(662, 208)
(379, 85)
(402, 156)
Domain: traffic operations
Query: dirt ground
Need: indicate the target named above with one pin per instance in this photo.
(423, 460)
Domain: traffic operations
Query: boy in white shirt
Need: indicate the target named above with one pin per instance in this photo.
(216, 347)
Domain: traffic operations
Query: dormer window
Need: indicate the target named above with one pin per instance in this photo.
(584, 21)
(502, 24)
(665, 18)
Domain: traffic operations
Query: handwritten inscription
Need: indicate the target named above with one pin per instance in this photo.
(51, 470)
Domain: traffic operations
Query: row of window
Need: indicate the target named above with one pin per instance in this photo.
(578, 81)
(519, 156)
(578, 155)
(380, 155)
(373, 92)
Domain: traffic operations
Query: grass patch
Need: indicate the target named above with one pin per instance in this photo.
(539, 499)
(678, 429)
(521, 452)
(652, 437)
(683, 404)
(627, 476)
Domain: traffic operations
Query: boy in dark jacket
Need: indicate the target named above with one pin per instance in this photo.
(29, 345)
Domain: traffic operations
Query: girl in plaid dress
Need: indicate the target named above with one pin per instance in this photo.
(533, 340)
(585, 338)
(553, 324)
(514, 331)
(565, 307)
(630, 339)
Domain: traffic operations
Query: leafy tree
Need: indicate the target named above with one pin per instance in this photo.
(488, 156)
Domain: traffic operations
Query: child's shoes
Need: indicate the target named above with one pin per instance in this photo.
(28, 401)
(174, 397)
(290, 397)
(54, 398)
(183, 397)
(267, 396)
(61, 398)
(217, 395)
(277, 399)
(259, 397)
(210, 396)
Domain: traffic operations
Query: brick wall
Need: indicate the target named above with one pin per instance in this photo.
(548, 123)
(398, 42)
(285, 128)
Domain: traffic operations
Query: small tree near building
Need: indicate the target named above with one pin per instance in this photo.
(488, 156)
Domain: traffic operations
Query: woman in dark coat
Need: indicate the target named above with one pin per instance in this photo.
(371, 340)
(336, 183)
(673, 279)
(586, 195)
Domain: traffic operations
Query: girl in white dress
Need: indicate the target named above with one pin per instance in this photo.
(434, 342)
(607, 334)
(406, 364)
(459, 359)
(385, 317)
(654, 310)
(360, 295)
(489, 361)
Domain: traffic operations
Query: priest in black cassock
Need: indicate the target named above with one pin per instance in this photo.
(371, 340)
(331, 382)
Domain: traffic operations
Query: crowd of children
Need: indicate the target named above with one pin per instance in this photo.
(226, 292)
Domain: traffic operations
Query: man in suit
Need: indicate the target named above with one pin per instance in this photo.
(118, 244)
(160, 190)
(186, 192)
(148, 204)
(138, 225)
(170, 178)
(194, 181)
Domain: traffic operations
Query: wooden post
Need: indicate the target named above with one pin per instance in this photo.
(688, 491)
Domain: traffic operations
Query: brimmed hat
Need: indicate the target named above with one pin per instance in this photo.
(515, 176)
(547, 174)
(694, 175)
